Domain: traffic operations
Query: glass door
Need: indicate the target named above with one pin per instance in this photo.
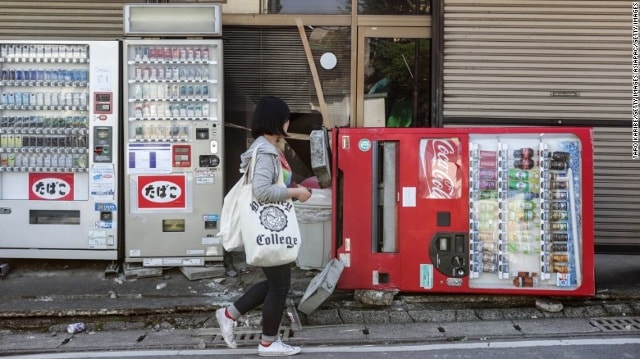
(393, 76)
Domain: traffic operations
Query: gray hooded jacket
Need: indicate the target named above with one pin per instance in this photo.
(267, 169)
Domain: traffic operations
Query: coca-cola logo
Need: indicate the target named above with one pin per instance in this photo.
(441, 164)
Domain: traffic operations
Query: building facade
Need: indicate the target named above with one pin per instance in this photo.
(417, 63)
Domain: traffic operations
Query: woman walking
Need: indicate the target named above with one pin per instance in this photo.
(269, 125)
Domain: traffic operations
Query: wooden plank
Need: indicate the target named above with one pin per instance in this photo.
(326, 120)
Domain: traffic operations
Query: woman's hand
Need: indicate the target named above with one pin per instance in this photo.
(302, 194)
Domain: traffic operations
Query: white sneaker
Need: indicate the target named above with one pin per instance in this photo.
(278, 349)
(226, 327)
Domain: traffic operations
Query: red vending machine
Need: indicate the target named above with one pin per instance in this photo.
(465, 210)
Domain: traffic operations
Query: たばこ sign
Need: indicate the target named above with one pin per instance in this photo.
(162, 192)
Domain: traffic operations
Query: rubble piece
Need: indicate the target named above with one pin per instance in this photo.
(132, 271)
(549, 305)
(377, 298)
(4, 270)
(112, 270)
(292, 314)
(321, 286)
(195, 273)
(161, 286)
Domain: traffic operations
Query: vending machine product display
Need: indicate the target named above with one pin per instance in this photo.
(173, 137)
(484, 210)
(59, 149)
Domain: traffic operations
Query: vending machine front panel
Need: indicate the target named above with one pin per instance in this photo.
(399, 194)
(58, 149)
(174, 150)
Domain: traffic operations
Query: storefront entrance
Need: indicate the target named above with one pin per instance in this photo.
(393, 76)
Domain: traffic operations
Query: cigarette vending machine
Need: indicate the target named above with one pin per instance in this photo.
(59, 149)
(486, 210)
(174, 148)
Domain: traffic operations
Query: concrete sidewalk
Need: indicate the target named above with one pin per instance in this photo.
(45, 296)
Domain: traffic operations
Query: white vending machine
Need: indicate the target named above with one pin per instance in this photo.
(173, 149)
(59, 149)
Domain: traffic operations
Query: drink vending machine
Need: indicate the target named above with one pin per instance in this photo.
(173, 151)
(485, 210)
(59, 149)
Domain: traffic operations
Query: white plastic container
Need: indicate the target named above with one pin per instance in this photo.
(314, 218)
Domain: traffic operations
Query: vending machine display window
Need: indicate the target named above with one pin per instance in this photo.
(524, 206)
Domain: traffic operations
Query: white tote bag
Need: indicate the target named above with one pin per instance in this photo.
(270, 231)
(230, 236)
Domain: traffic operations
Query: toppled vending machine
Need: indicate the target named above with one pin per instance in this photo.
(465, 210)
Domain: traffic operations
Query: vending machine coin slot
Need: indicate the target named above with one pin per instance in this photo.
(448, 254)
(459, 243)
(102, 144)
(209, 161)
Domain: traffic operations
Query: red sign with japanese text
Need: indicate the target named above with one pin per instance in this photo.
(162, 192)
(51, 186)
(440, 175)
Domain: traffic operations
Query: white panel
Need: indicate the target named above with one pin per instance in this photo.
(180, 19)
(541, 59)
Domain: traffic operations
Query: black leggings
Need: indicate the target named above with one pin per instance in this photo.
(272, 293)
